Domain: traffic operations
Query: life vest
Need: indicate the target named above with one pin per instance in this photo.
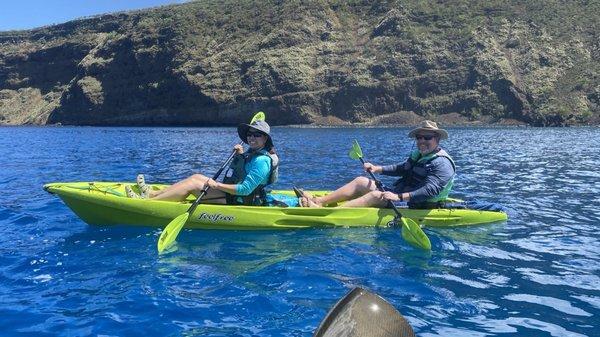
(236, 173)
(417, 172)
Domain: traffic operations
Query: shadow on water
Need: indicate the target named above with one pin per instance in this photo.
(478, 234)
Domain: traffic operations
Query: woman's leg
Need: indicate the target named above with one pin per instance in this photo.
(212, 196)
(354, 189)
(181, 190)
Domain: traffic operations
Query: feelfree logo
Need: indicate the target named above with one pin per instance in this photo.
(216, 217)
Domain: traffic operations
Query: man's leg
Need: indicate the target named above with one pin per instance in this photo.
(371, 199)
(354, 189)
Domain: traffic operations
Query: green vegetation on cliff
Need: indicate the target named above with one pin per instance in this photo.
(217, 62)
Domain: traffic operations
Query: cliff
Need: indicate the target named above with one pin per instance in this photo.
(321, 62)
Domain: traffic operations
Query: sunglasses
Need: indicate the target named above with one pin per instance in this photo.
(419, 137)
(254, 134)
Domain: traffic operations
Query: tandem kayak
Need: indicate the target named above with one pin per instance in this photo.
(105, 203)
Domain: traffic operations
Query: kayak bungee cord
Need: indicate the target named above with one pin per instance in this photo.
(93, 187)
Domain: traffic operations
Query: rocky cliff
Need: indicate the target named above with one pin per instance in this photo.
(321, 62)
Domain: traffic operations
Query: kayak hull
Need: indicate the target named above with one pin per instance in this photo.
(105, 203)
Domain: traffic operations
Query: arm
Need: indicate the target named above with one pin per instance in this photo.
(227, 188)
(258, 171)
(395, 170)
(439, 174)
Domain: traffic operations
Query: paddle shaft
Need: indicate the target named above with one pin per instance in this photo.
(203, 193)
(380, 187)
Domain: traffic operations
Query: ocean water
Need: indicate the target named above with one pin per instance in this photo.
(538, 274)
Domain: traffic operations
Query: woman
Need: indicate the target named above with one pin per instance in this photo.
(245, 179)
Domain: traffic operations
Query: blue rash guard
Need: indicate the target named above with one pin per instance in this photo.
(439, 173)
(258, 170)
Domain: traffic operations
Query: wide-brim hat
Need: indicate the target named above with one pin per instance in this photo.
(429, 126)
(261, 126)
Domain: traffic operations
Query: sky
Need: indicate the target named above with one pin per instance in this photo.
(27, 14)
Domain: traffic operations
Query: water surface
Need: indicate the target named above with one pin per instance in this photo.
(537, 274)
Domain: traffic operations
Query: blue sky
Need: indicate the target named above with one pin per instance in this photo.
(27, 14)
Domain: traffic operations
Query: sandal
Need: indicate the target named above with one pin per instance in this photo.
(303, 199)
(130, 193)
(144, 189)
(299, 192)
(140, 180)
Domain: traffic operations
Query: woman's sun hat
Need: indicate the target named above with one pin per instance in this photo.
(429, 126)
(261, 126)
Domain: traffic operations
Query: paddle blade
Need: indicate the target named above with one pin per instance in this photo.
(169, 234)
(260, 116)
(414, 235)
(355, 151)
(363, 314)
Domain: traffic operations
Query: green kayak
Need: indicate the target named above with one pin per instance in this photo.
(105, 203)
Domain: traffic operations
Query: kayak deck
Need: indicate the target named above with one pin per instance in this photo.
(105, 203)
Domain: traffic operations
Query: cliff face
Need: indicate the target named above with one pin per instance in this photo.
(214, 62)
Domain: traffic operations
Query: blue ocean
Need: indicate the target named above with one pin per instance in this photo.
(538, 274)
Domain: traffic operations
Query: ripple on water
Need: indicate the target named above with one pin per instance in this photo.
(520, 326)
(554, 303)
(569, 280)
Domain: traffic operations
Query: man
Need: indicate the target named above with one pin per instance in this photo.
(426, 177)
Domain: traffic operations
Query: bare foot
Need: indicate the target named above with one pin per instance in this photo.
(305, 199)
(307, 202)
(313, 199)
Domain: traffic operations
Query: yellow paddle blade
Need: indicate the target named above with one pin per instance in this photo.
(414, 235)
(355, 151)
(169, 234)
(260, 116)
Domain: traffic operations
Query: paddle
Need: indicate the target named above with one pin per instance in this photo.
(361, 313)
(411, 231)
(169, 234)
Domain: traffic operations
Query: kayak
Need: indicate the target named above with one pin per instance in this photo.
(105, 203)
